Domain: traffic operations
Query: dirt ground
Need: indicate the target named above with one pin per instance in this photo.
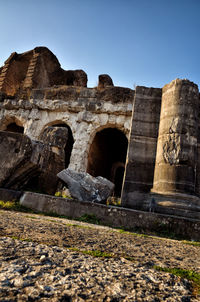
(143, 251)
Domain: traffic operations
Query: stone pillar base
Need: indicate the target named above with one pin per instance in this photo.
(176, 204)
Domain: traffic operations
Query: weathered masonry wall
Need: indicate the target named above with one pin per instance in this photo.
(142, 146)
(161, 128)
(86, 111)
(163, 166)
(37, 68)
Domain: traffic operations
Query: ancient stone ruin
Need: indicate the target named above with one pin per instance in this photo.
(146, 141)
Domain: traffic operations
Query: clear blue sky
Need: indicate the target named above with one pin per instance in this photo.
(137, 42)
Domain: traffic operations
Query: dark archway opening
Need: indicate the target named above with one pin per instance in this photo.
(13, 127)
(118, 180)
(107, 156)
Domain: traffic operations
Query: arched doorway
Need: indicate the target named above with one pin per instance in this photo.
(13, 127)
(107, 156)
(69, 143)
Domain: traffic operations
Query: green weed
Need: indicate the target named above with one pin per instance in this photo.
(122, 231)
(115, 201)
(194, 243)
(21, 239)
(95, 253)
(192, 276)
(62, 194)
(58, 194)
(90, 218)
(7, 204)
(78, 226)
(32, 217)
(13, 206)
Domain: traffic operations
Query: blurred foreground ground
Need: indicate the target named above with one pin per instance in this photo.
(54, 259)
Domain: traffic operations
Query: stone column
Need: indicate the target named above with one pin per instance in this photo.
(176, 158)
(141, 155)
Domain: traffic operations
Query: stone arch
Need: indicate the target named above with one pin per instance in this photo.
(53, 123)
(93, 134)
(12, 124)
(107, 154)
(70, 140)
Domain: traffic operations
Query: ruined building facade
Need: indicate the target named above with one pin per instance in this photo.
(146, 141)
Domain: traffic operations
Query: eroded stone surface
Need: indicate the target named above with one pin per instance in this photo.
(84, 187)
(163, 150)
(85, 111)
(48, 270)
(104, 81)
(175, 168)
(23, 159)
(37, 68)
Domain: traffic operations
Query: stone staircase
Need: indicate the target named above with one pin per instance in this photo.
(28, 82)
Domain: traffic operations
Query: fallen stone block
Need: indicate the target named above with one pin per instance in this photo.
(84, 187)
(23, 160)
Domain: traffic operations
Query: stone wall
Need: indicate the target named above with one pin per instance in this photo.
(85, 110)
(142, 146)
(114, 216)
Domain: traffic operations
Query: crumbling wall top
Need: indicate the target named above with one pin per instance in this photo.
(37, 68)
(104, 81)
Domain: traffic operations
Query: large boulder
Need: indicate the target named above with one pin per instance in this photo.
(16, 150)
(84, 187)
(56, 137)
(26, 163)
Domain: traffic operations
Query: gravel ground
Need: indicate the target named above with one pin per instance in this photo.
(47, 261)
